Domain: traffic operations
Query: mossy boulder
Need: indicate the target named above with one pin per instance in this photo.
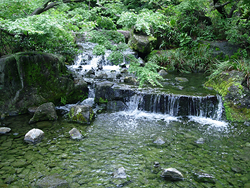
(81, 114)
(236, 97)
(32, 78)
(142, 43)
(45, 112)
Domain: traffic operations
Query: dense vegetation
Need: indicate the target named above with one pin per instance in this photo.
(178, 26)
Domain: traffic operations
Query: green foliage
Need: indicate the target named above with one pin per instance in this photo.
(196, 59)
(242, 65)
(238, 32)
(146, 21)
(102, 101)
(103, 36)
(148, 73)
(105, 23)
(64, 100)
(99, 50)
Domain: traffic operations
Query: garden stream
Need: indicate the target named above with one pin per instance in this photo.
(134, 139)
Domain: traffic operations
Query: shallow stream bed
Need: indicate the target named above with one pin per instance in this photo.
(127, 139)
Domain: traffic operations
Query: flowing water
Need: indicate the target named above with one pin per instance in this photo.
(197, 143)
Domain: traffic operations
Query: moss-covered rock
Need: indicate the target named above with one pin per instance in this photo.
(81, 114)
(44, 112)
(142, 43)
(33, 78)
(236, 97)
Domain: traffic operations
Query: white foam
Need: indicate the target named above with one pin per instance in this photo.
(137, 114)
(209, 121)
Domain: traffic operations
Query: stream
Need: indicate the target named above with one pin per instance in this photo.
(135, 139)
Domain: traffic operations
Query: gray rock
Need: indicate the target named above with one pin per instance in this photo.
(53, 181)
(115, 106)
(120, 173)
(34, 136)
(44, 112)
(75, 134)
(4, 130)
(171, 174)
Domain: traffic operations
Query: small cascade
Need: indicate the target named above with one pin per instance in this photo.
(178, 105)
(91, 96)
(89, 65)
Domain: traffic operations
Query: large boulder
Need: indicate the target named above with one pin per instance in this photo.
(81, 114)
(44, 112)
(33, 78)
(34, 136)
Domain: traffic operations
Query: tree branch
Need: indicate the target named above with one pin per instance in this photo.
(221, 8)
(222, 5)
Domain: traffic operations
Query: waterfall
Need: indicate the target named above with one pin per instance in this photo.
(178, 105)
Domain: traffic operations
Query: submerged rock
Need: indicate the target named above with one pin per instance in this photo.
(171, 174)
(159, 141)
(75, 134)
(180, 79)
(203, 177)
(52, 181)
(4, 130)
(200, 141)
(120, 173)
(44, 112)
(34, 136)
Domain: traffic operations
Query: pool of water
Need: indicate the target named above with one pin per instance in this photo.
(127, 139)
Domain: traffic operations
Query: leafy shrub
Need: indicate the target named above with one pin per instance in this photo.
(197, 59)
(148, 73)
(146, 21)
(105, 23)
(242, 65)
(99, 50)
